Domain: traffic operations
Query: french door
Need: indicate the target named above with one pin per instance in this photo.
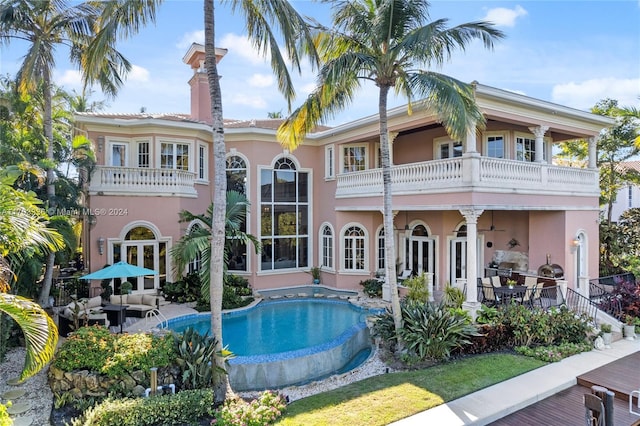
(421, 255)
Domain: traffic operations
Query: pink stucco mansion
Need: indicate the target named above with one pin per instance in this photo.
(496, 196)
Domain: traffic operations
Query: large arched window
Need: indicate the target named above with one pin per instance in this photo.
(354, 242)
(326, 246)
(237, 181)
(284, 216)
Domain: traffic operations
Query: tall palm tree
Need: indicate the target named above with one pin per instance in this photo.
(90, 31)
(387, 42)
(197, 242)
(259, 16)
(23, 229)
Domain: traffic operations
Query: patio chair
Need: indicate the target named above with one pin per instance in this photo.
(531, 283)
(405, 274)
(489, 297)
(495, 281)
(594, 410)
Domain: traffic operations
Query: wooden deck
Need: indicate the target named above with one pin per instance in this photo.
(566, 408)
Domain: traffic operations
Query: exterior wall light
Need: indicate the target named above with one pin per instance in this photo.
(101, 241)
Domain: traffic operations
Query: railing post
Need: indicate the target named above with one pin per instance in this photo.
(470, 167)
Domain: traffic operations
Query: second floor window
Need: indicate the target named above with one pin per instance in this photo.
(495, 146)
(119, 155)
(174, 156)
(354, 158)
(143, 154)
(449, 149)
(525, 149)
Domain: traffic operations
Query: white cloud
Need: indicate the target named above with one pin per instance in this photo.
(189, 38)
(250, 101)
(69, 78)
(501, 16)
(585, 94)
(260, 80)
(241, 46)
(138, 74)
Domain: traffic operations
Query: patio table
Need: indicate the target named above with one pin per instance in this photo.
(506, 293)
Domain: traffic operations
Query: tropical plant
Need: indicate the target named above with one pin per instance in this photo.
(260, 19)
(453, 297)
(23, 230)
(432, 331)
(372, 287)
(195, 353)
(197, 243)
(417, 285)
(387, 42)
(90, 30)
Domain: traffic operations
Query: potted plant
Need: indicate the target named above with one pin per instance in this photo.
(511, 283)
(605, 330)
(315, 273)
(629, 327)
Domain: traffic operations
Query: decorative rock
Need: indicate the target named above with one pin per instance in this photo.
(13, 394)
(289, 295)
(139, 390)
(139, 376)
(14, 381)
(302, 294)
(23, 421)
(18, 408)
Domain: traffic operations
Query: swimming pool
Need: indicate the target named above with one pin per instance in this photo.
(307, 291)
(285, 342)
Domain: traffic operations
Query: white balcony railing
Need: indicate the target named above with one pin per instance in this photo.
(142, 181)
(471, 173)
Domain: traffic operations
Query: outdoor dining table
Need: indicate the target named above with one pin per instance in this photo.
(506, 293)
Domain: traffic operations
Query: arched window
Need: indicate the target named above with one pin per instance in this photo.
(284, 220)
(354, 249)
(196, 263)
(237, 181)
(326, 247)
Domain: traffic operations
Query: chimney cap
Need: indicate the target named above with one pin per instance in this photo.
(195, 55)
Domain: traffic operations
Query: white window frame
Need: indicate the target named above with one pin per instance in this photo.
(451, 144)
(343, 245)
(192, 153)
(149, 153)
(330, 247)
(343, 157)
(545, 146)
(329, 162)
(505, 144)
(380, 250)
(202, 169)
(118, 142)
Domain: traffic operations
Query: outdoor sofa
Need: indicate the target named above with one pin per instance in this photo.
(138, 304)
(89, 312)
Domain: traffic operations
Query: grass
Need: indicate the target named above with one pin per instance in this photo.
(384, 399)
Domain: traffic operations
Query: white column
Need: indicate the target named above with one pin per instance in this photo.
(593, 155)
(471, 217)
(539, 132)
(470, 141)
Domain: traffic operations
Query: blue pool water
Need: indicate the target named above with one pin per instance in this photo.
(279, 326)
(290, 341)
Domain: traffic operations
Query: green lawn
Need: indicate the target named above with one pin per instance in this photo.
(387, 398)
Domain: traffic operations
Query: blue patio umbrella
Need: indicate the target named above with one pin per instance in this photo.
(119, 270)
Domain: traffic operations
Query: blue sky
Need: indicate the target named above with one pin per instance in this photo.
(569, 52)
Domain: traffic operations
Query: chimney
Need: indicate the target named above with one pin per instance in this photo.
(200, 99)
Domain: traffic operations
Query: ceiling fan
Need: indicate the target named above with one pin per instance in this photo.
(492, 228)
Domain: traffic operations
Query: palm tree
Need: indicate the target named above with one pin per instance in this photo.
(197, 241)
(258, 16)
(90, 31)
(23, 229)
(386, 42)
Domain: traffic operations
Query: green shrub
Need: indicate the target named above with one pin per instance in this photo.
(240, 284)
(490, 338)
(194, 357)
(5, 418)
(554, 353)
(186, 407)
(418, 291)
(453, 297)
(429, 330)
(259, 412)
(183, 291)
(372, 287)
(489, 315)
(95, 349)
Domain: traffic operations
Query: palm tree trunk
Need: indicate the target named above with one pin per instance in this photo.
(219, 195)
(43, 299)
(389, 245)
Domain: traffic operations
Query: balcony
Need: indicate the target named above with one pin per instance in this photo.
(472, 173)
(142, 181)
